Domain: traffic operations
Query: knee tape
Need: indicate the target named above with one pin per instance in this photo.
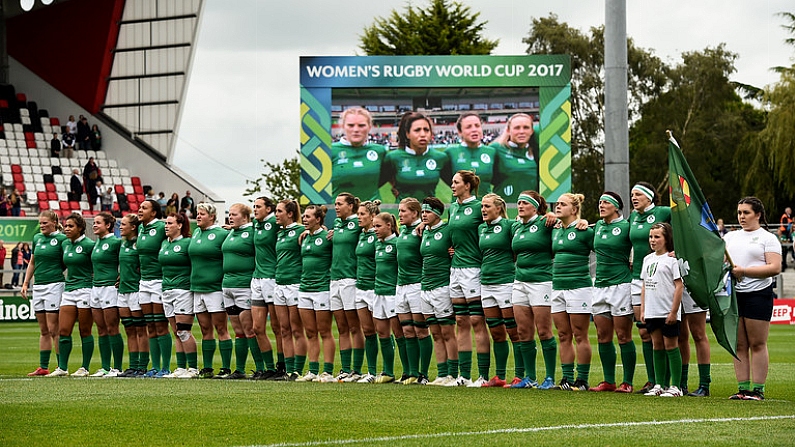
(475, 308)
(493, 322)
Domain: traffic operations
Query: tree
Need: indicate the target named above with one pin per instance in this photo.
(278, 180)
(646, 77)
(443, 28)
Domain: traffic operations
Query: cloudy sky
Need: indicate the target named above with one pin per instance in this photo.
(243, 98)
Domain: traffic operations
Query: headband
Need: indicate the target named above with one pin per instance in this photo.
(645, 191)
(609, 199)
(528, 199)
(426, 207)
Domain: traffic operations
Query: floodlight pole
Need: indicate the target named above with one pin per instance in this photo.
(616, 153)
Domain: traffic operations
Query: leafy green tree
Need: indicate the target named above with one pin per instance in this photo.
(278, 180)
(444, 27)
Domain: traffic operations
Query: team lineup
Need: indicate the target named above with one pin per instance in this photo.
(418, 286)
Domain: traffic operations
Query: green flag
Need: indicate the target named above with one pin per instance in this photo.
(700, 250)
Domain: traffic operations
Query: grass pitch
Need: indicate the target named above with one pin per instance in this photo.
(87, 412)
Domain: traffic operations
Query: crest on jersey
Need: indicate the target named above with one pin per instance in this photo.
(430, 164)
(372, 155)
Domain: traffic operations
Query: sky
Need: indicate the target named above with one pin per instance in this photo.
(242, 101)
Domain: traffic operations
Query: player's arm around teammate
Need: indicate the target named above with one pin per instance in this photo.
(386, 272)
(105, 296)
(262, 284)
(47, 269)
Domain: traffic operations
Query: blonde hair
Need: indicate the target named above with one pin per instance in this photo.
(356, 111)
(209, 208)
(506, 133)
(372, 207)
(576, 201)
(388, 218)
(498, 201)
(244, 209)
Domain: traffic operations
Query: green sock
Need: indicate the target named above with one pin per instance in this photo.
(65, 346)
(568, 371)
(267, 357)
(413, 356)
(328, 367)
(104, 351)
(441, 369)
(704, 377)
(165, 351)
(117, 350)
(452, 367)
(744, 385)
(659, 370)
(518, 360)
(759, 387)
(345, 359)
(289, 364)
(675, 362)
(143, 360)
(358, 359)
(528, 351)
(426, 352)
(629, 357)
(648, 358)
(225, 347)
(314, 367)
(208, 352)
(241, 354)
(88, 350)
(549, 348)
(402, 353)
(44, 359)
(154, 350)
(388, 353)
(193, 359)
(253, 346)
(133, 359)
(500, 358)
(607, 353)
(685, 373)
(484, 364)
(667, 368)
(298, 364)
(583, 371)
(182, 360)
(371, 349)
(280, 357)
(57, 358)
(465, 364)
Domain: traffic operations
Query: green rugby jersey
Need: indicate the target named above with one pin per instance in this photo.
(639, 228)
(612, 246)
(365, 260)
(239, 253)
(514, 172)
(572, 248)
(532, 245)
(495, 244)
(150, 238)
(105, 258)
(464, 220)
(356, 169)
(345, 239)
(207, 259)
(316, 259)
(409, 258)
(265, 234)
(435, 256)
(77, 258)
(174, 259)
(288, 255)
(386, 266)
(480, 160)
(414, 175)
(129, 267)
(48, 263)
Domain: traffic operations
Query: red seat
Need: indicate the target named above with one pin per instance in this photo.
(18, 177)
(90, 213)
(140, 197)
(20, 186)
(115, 206)
(21, 97)
(74, 205)
(136, 181)
(52, 195)
(29, 136)
(54, 121)
(132, 198)
(133, 207)
(63, 205)
(44, 205)
(3, 104)
(22, 213)
(16, 169)
(31, 144)
(63, 213)
(138, 190)
(41, 195)
(49, 187)
(119, 189)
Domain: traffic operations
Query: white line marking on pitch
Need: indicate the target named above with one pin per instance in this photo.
(519, 430)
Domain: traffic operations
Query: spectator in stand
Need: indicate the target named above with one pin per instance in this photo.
(173, 202)
(55, 146)
(15, 201)
(83, 134)
(68, 144)
(722, 228)
(71, 125)
(25, 255)
(785, 230)
(17, 260)
(96, 138)
(90, 176)
(5, 207)
(150, 194)
(188, 204)
(161, 199)
(95, 196)
(107, 199)
(3, 261)
(75, 186)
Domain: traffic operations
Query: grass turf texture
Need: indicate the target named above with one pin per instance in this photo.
(87, 412)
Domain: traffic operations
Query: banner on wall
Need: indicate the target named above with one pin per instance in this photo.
(18, 229)
(441, 88)
(783, 311)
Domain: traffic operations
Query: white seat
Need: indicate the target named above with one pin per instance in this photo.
(55, 161)
(91, 154)
(19, 135)
(24, 112)
(29, 177)
(115, 172)
(17, 127)
(75, 163)
(24, 160)
(34, 161)
(42, 145)
(58, 178)
(5, 160)
(39, 186)
(36, 170)
(112, 163)
(124, 172)
(14, 159)
(109, 180)
(3, 142)
(102, 163)
(43, 152)
(128, 189)
(83, 205)
(45, 122)
(55, 205)
(46, 128)
(63, 196)
(13, 151)
(101, 155)
(38, 136)
(61, 187)
(25, 119)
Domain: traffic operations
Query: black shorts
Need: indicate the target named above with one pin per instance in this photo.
(668, 330)
(756, 305)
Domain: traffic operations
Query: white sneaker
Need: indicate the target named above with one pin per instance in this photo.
(458, 381)
(82, 372)
(58, 372)
(113, 373)
(190, 373)
(447, 380)
(101, 372)
(342, 376)
(308, 377)
(325, 377)
(367, 378)
(477, 383)
(655, 391)
(352, 378)
(441, 380)
(176, 374)
(672, 391)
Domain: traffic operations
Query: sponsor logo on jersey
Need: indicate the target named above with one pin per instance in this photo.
(430, 164)
(372, 155)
